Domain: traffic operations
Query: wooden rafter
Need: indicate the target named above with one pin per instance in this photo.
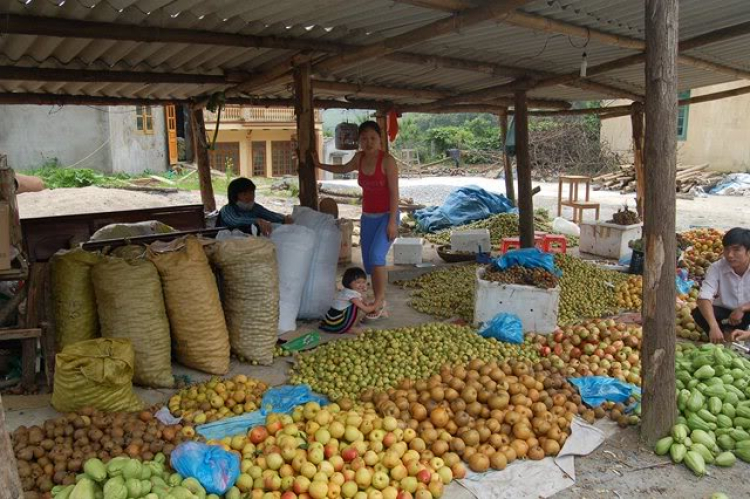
(18, 73)
(541, 23)
(470, 17)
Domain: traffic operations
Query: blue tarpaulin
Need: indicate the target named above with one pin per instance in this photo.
(279, 399)
(462, 206)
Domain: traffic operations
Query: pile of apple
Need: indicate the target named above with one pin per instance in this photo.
(629, 294)
(595, 348)
(339, 451)
(706, 249)
(686, 326)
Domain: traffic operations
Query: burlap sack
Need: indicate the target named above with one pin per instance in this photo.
(73, 295)
(250, 292)
(131, 306)
(95, 373)
(199, 331)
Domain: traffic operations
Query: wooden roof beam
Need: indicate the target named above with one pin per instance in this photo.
(490, 11)
(18, 73)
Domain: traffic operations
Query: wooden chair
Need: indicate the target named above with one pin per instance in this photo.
(579, 206)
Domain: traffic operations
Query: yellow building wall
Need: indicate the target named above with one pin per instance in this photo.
(718, 132)
(247, 136)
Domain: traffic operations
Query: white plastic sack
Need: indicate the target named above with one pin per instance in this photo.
(294, 252)
(565, 227)
(320, 288)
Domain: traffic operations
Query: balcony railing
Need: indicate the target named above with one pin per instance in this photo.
(234, 114)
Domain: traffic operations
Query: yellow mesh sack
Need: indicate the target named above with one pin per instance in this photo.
(199, 332)
(131, 306)
(250, 294)
(95, 373)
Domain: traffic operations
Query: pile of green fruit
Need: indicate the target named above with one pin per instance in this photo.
(500, 226)
(381, 359)
(538, 277)
(125, 478)
(586, 291)
(445, 293)
(713, 397)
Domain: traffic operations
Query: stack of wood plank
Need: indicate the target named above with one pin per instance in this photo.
(688, 177)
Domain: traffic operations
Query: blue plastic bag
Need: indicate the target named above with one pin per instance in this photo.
(279, 399)
(595, 390)
(504, 327)
(216, 469)
(683, 284)
(531, 258)
(463, 205)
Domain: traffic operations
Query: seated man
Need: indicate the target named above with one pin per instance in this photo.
(243, 212)
(724, 299)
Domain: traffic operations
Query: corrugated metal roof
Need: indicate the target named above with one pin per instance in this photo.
(355, 22)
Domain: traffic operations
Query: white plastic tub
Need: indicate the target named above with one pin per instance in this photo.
(407, 251)
(537, 308)
(471, 240)
(608, 240)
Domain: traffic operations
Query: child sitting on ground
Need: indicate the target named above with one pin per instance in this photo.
(349, 307)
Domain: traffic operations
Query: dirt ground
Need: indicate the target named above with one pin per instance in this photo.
(621, 468)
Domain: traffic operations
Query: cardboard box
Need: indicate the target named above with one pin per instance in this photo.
(4, 236)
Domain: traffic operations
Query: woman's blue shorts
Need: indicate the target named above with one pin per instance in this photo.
(374, 240)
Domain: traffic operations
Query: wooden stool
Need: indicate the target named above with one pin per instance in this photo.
(579, 206)
(555, 243)
(573, 182)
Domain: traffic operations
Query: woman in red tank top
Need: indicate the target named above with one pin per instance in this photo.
(378, 177)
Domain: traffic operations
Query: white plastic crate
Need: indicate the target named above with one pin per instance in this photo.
(537, 308)
(608, 240)
(407, 251)
(471, 240)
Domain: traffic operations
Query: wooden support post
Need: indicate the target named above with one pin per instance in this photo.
(523, 165)
(510, 191)
(382, 120)
(11, 483)
(200, 153)
(659, 405)
(639, 137)
(8, 195)
(305, 113)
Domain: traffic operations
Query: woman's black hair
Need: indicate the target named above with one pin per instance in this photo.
(351, 275)
(369, 125)
(737, 237)
(237, 187)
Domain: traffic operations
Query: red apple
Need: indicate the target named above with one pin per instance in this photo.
(258, 434)
(349, 454)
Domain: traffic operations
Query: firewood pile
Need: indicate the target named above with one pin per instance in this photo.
(688, 177)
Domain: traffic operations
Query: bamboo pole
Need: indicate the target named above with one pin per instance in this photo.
(200, 151)
(305, 113)
(382, 120)
(510, 191)
(659, 405)
(636, 120)
(523, 165)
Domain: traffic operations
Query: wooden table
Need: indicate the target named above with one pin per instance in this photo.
(574, 182)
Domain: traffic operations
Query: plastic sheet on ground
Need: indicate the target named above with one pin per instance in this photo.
(462, 206)
(279, 399)
(595, 390)
(736, 184)
(537, 478)
(531, 258)
(504, 327)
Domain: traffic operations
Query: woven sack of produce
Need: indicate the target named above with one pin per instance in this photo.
(294, 251)
(199, 331)
(95, 373)
(250, 290)
(320, 286)
(73, 296)
(131, 306)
